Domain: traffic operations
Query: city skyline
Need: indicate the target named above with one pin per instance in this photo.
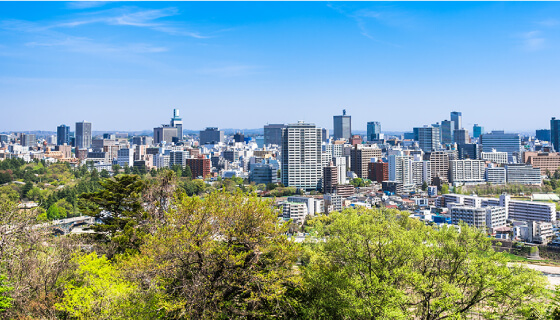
(125, 66)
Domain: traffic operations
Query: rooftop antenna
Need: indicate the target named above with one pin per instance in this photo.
(343, 112)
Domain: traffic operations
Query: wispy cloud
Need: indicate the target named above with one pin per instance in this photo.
(230, 71)
(85, 4)
(132, 17)
(141, 18)
(365, 16)
(549, 22)
(532, 40)
(86, 45)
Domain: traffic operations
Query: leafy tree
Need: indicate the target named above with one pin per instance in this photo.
(8, 193)
(220, 257)
(444, 189)
(97, 290)
(187, 173)
(119, 206)
(424, 186)
(34, 193)
(25, 189)
(104, 174)
(126, 169)
(116, 168)
(375, 264)
(55, 212)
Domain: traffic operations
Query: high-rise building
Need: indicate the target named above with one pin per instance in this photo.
(62, 135)
(200, 167)
(461, 136)
(447, 129)
(428, 138)
(378, 171)
(477, 130)
(469, 151)
(238, 137)
(439, 161)
(373, 131)
(330, 178)
(342, 126)
(273, 134)
(165, 133)
(301, 156)
(28, 139)
(360, 156)
(543, 134)
(500, 141)
(467, 171)
(83, 135)
(177, 122)
(457, 118)
(400, 169)
(555, 133)
(211, 135)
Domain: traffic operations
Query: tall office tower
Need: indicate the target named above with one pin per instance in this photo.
(477, 130)
(461, 136)
(330, 178)
(28, 139)
(342, 126)
(83, 134)
(238, 137)
(500, 141)
(360, 156)
(428, 138)
(457, 118)
(439, 161)
(421, 172)
(543, 134)
(211, 135)
(178, 157)
(469, 151)
(378, 171)
(325, 134)
(373, 130)
(301, 156)
(400, 169)
(273, 134)
(447, 129)
(555, 133)
(62, 135)
(177, 122)
(165, 133)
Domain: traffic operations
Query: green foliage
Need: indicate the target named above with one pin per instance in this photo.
(97, 290)
(5, 299)
(359, 182)
(424, 186)
(444, 189)
(220, 257)
(282, 191)
(375, 264)
(119, 206)
(26, 188)
(8, 193)
(194, 187)
(55, 212)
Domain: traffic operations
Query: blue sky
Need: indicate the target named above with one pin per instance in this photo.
(126, 65)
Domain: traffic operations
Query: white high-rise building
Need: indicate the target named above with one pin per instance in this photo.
(467, 171)
(400, 169)
(301, 156)
(83, 135)
(421, 172)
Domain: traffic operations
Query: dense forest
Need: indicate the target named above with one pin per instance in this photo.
(169, 247)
